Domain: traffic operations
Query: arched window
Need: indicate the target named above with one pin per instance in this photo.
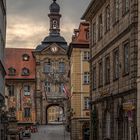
(25, 72)
(55, 24)
(11, 71)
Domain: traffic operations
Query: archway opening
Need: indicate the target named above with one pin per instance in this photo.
(54, 114)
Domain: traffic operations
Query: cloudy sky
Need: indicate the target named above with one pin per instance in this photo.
(28, 22)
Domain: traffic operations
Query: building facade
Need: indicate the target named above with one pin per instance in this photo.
(20, 84)
(51, 68)
(79, 79)
(2, 68)
(113, 65)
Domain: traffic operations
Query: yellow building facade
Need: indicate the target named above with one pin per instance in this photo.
(79, 79)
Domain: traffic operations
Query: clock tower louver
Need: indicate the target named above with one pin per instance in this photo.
(52, 67)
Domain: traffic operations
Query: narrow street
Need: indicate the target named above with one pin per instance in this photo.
(51, 132)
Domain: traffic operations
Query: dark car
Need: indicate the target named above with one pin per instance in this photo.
(27, 133)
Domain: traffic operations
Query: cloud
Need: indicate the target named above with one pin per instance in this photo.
(28, 23)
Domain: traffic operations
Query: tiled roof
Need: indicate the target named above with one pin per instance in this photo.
(14, 59)
(80, 35)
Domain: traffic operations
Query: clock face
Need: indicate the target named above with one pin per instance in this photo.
(54, 49)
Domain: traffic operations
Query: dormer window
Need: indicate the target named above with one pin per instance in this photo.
(25, 72)
(11, 71)
(25, 57)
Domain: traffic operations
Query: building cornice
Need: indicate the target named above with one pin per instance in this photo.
(112, 96)
(17, 79)
(92, 9)
(77, 45)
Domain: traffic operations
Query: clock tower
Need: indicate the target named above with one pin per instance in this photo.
(54, 16)
(52, 65)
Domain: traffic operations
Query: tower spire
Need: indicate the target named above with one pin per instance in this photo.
(54, 18)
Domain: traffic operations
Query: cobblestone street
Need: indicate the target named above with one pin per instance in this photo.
(51, 132)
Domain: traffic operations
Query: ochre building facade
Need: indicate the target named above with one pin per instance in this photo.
(79, 82)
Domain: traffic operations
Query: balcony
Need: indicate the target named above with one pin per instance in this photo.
(55, 97)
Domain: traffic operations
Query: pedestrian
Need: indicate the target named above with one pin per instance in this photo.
(58, 119)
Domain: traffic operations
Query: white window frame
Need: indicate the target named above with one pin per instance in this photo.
(48, 86)
(26, 91)
(86, 78)
(86, 55)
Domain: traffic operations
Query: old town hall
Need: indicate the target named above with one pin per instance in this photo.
(51, 68)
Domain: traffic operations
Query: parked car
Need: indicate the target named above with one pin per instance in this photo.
(27, 133)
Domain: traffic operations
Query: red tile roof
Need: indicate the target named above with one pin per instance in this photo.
(80, 35)
(14, 59)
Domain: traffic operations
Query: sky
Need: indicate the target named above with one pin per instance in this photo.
(28, 22)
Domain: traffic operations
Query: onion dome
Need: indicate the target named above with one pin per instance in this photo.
(54, 7)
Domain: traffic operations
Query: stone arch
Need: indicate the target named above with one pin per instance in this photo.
(51, 105)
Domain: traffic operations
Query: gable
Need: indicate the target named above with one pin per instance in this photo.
(54, 49)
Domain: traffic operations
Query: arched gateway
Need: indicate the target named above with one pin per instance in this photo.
(54, 113)
(52, 67)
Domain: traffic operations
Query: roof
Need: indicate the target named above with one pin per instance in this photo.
(54, 7)
(52, 38)
(88, 9)
(80, 35)
(80, 39)
(14, 59)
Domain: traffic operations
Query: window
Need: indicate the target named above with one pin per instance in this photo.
(47, 67)
(48, 86)
(125, 6)
(25, 57)
(11, 71)
(11, 90)
(27, 112)
(55, 24)
(61, 67)
(126, 58)
(107, 70)
(86, 78)
(86, 103)
(86, 55)
(100, 30)
(107, 18)
(116, 10)
(26, 90)
(94, 33)
(25, 72)
(100, 74)
(94, 78)
(61, 88)
(116, 64)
